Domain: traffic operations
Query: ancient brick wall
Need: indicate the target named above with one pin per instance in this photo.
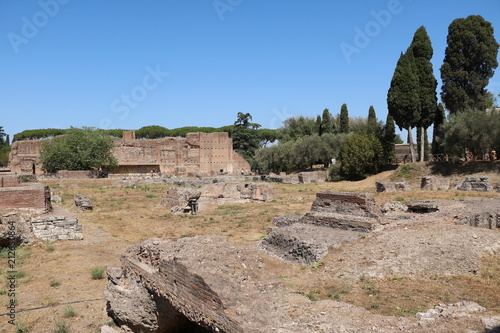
(9, 181)
(197, 153)
(29, 196)
(24, 157)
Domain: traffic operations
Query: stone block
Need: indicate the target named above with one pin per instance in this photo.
(344, 210)
(392, 186)
(432, 183)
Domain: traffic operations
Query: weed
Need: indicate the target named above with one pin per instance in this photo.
(3, 292)
(336, 296)
(69, 311)
(61, 327)
(97, 273)
(400, 199)
(55, 283)
(311, 297)
(22, 327)
(115, 235)
(375, 306)
(150, 195)
(406, 171)
(20, 274)
(397, 278)
(317, 265)
(283, 276)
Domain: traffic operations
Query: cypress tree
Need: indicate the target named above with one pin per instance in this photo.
(403, 100)
(421, 48)
(319, 129)
(326, 122)
(438, 133)
(372, 121)
(344, 119)
(469, 63)
(389, 140)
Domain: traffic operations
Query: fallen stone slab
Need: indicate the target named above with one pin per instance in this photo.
(392, 186)
(304, 244)
(83, 203)
(344, 210)
(422, 206)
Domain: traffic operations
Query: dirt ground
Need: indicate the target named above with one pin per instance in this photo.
(55, 287)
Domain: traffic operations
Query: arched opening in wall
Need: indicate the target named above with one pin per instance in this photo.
(33, 168)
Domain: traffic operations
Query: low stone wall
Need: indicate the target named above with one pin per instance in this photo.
(52, 228)
(9, 181)
(312, 177)
(431, 183)
(26, 196)
(473, 184)
(344, 210)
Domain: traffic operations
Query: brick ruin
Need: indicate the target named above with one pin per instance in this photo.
(202, 154)
(17, 195)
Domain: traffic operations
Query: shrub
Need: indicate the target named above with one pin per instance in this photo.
(69, 311)
(61, 327)
(360, 155)
(97, 273)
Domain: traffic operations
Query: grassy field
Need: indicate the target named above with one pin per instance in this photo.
(50, 275)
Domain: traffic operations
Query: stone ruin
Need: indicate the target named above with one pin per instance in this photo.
(343, 210)
(166, 286)
(27, 196)
(28, 206)
(334, 218)
(392, 186)
(208, 284)
(432, 183)
(59, 224)
(196, 153)
(186, 199)
(229, 193)
(307, 177)
(473, 184)
(82, 203)
(180, 199)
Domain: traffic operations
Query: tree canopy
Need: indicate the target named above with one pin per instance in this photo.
(470, 61)
(344, 119)
(403, 100)
(245, 137)
(78, 149)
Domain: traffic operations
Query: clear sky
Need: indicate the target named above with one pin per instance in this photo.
(129, 63)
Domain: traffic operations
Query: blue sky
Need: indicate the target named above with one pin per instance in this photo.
(128, 64)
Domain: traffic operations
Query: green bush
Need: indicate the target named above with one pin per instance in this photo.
(97, 273)
(360, 155)
(78, 149)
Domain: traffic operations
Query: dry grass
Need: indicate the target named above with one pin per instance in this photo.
(125, 215)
